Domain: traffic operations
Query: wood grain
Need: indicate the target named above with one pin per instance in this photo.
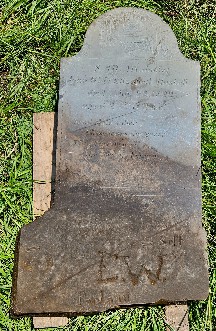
(49, 322)
(42, 161)
(177, 317)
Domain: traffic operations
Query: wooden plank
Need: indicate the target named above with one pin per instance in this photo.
(42, 161)
(43, 175)
(49, 322)
(177, 317)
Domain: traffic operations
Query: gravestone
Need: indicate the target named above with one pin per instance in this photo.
(125, 227)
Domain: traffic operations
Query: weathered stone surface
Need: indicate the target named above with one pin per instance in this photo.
(125, 228)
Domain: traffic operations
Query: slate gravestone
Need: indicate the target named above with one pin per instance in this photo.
(125, 228)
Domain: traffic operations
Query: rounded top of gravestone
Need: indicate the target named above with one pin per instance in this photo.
(135, 32)
(131, 68)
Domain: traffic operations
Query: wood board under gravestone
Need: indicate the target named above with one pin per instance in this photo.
(125, 227)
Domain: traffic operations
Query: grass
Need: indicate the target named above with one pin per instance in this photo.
(34, 36)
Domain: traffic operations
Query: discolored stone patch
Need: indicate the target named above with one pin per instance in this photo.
(125, 227)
